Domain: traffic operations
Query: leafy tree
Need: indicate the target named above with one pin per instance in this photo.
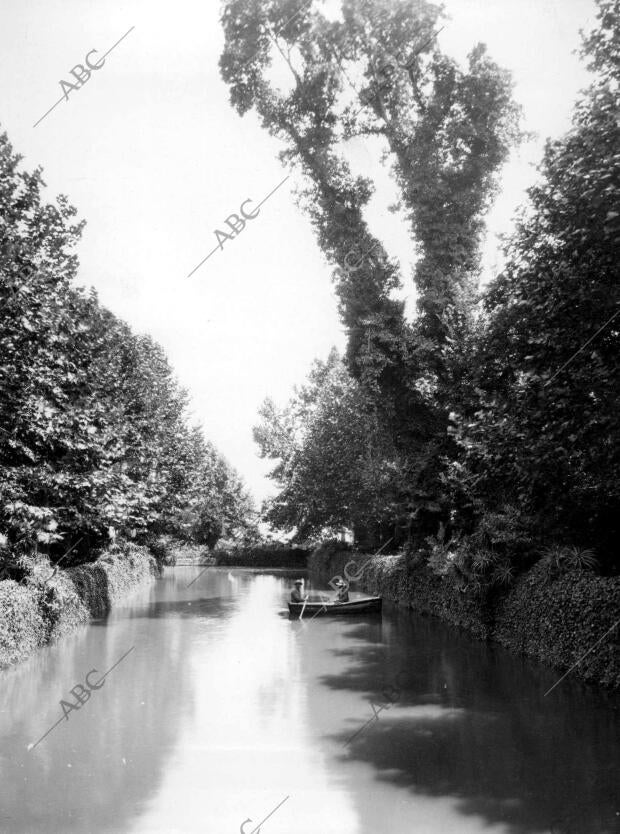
(447, 132)
(502, 428)
(335, 467)
(542, 429)
(94, 435)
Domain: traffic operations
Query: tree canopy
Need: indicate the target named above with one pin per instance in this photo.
(335, 466)
(543, 430)
(500, 416)
(446, 131)
(94, 438)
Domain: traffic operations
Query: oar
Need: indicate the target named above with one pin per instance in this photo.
(303, 607)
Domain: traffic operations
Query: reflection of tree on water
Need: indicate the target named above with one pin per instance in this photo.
(108, 758)
(471, 727)
(221, 691)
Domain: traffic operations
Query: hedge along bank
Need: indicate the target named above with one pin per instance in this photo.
(559, 621)
(38, 613)
(5, 572)
(295, 558)
(355, 573)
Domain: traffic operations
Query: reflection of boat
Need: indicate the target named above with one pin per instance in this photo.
(369, 605)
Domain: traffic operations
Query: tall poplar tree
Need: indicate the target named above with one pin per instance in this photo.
(378, 71)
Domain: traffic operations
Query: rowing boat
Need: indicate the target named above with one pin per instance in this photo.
(369, 605)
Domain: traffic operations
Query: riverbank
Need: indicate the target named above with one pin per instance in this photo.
(52, 603)
(557, 621)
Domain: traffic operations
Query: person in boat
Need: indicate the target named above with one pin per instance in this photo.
(296, 592)
(343, 591)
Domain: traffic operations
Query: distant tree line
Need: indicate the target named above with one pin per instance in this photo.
(490, 423)
(94, 435)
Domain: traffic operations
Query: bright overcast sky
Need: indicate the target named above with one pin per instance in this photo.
(154, 158)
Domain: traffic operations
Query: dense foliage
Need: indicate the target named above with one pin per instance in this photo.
(94, 438)
(42, 610)
(496, 430)
(446, 131)
(542, 430)
(336, 466)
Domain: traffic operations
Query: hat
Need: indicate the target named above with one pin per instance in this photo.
(341, 583)
(299, 582)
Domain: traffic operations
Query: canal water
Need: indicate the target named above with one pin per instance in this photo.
(217, 712)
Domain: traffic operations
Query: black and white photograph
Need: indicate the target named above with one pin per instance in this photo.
(309, 417)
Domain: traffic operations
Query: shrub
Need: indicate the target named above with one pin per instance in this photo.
(22, 625)
(558, 559)
(163, 550)
(503, 574)
(442, 553)
(507, 531)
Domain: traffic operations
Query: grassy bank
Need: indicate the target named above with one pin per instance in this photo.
(557, 621)
(45, 608)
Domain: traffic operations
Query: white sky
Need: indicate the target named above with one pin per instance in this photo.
(155, 159)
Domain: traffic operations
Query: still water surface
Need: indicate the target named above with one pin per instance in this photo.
(224, 708)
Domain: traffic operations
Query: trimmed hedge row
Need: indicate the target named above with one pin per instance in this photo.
(561, 622)
(115, 574)
(37, 613)
(263, 557)
(556, 621)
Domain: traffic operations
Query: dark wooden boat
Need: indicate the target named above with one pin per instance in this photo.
(370, 605)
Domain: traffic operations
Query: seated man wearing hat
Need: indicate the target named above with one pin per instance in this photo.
(343, 591)
(296, 592)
